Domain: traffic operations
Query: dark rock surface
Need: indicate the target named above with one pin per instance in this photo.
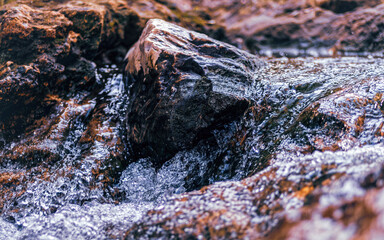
(183, 85)
(31, 47)
(343, 6)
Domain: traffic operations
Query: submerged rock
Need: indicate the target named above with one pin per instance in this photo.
(182, 85)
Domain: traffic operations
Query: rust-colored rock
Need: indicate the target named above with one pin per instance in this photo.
(182, 85)
(308, 27)
(355, 217)
(48, 49)
(33, 42)
(360, 31)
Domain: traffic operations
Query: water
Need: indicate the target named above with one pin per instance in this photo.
(282, 187)
(84, 141)
(305, 126)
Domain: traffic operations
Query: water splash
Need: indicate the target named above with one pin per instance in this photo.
(278, 138)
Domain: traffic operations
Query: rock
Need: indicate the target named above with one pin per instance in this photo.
(49, 51)
(73, 148)
(309, 136)
(34, 46)
(47, 82)
(350, 117)
(266, 23)
(360, 31)
(47, 47)
(323, 137)
(345, 5)
(182, 85)
(305, 25)
(51, 126)
(355, 217)
(276, 202)
(312, 26)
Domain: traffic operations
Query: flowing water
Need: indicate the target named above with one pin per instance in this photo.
(304, 124)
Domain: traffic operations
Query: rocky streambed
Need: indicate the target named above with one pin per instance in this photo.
(223, 120)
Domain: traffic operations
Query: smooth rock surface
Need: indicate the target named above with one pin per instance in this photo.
(182, 85)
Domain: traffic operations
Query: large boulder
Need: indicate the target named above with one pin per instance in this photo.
(183, 84)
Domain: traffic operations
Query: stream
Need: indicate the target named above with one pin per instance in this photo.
(306, 116)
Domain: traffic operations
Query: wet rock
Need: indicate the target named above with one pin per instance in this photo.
(48, 49)
(293, 28)
(310, 130)
(265, 23)
(360, 31)
(182, 85)
(110, 24)
(72, 153)
(295, 193)
(345, 5)
(303, 125)
(56, 118)
(344, 119)
(34, 44)
(351, 216)
(355, 27)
